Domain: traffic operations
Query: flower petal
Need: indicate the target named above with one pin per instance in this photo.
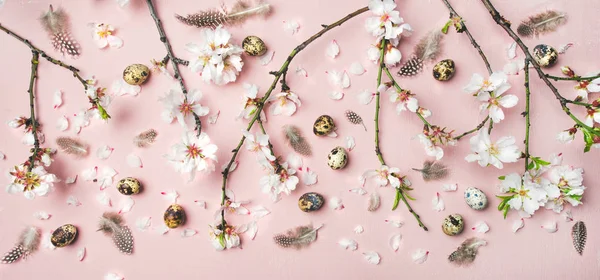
(333, 50)
(395, 223)
(550, 227)
(359, 229)
(188, 232)
(335, 203)
(359, 191)
(170, 195)
(511, 51)
(481, 227)
(41, 215)
(134, 161)
(357, 69)
(395, 242)
(449, 187)
(336, 95)
(350, 143)
(420, 256)
(62, 123)
(126, 205)
(266, 58)
(372, 257)
(517, 225)
(104, 152)
(437, 203)
(348, 244)
(81, 253)
(143, 223)
(57, 99)
(103, 199)
(72, 200)
(259, 211)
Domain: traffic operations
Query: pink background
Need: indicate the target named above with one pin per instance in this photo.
(531, 253)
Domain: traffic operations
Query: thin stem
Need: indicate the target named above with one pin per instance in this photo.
(377, 99)
(464, 29)
(399, 89)
(176, 61)
(403, 198)
(278, 74)
(527, 113)
(479, 126)
(505, 24)
(34, 123)
(574, 78)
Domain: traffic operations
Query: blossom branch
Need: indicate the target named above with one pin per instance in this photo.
(526, 114)
(281, 73)
(176, 61)
(34, 123)
(399, 89)
(574, 78)
(505, 24)
(479, 126)
(75, 71)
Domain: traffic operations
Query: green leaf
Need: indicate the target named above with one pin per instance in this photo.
(396, 200)
(409, 197)
(531, 165)
(506, 208)
(103, 114)
(446, 27)
(588, 138)
(501, 205)
(222, 239)
(505, 197)
(501, 177)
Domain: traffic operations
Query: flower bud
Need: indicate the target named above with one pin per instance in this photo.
(567, 71)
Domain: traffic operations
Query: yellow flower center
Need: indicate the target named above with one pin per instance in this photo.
(523, 192)
(31, 181)
(104, 33)
(194, 151)
(185, 108)
(494, 150)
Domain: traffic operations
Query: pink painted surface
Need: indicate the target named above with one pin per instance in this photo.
(531, 253)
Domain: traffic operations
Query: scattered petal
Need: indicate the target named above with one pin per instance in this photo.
(350, 143)
(62, 123)
(71, 200)
(162, 229)
(372, 257)
(449, 187)
(359, 229)
(345, 80)
(259, 211)
(106, 178)
(332, 134)
(267, 57)
(517, 225)
(438, 203)
(301, 71)
(126, 205)
(336, 95)
(568, 216)
(41, 215)
(57, 99)
(120, 88)
(563, 48)
(89, 174)
(134, 161)
(294, 161)
(291, 26)
(348, 244)
(481, 227)
(420, 256)
(46, 243)
(188, 232)
(550, 227)
(395, 223)
(81, 253)
(512, 50)
(112, 276)
(336, 203)
(365, 97)
(359, 191)
(252, 229)
(395, 242)
(171, 196)
(333, 50)
(103, 199)
(357, 69)
(71, 180)
(309, 177)
(104, 152)
(143, 223)
(200, 203)
(213, 119)
(511, 68)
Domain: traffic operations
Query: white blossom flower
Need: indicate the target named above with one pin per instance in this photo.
(232, 206)
(224, 239)
(585, 87)
(593, 115)
(434, 138)
(250, 102)
(284, 103)
(80, 119)
(103, 35)
(391, 55)
(387, 21)
(384, 176)
(566, 136)
(487, 153)
(492, 101)
(280, 180)
(258, 143)
(193, 154)
(37, 182)
(405, 99)
(569, 182)
(497, 82)
(527, 196)
(177, 106)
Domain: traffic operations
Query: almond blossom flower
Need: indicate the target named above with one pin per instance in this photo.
(387, 21)
(569, 181)
(280, 179)
(193, 154)
(497, 82)
(284, 103)
(258, 143)
(178, 106)
(28, 137)
(585, 87)
(391, 54)
(487, 153)
(385, 175)
(98, 98)
(224, 239)
(593, 115)
(492, 101)
(405, 99)
(232, 206)
(35, 182)
(102, 34)
(566, 136)
(434, 138)
(250, 103)
(526, 195)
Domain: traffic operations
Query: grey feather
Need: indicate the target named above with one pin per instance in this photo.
(56, 23)
(298, 237)
(213, 18)
(433, 170)
(542, 23)
(466, 253)
(72, 146)
(145, 138)
(428, 48)
(295, 139)
(374, 202)
(579, 235)
(112, 224)
(29, 242)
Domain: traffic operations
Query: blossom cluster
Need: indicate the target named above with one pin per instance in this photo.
(486, 152)
(385, 175)
(181, 107)
(193, 153)
(217, 60)
(386, 24)
(434, 138)
(224, 238)
(99, 100)
(545, 184)
(490, 92)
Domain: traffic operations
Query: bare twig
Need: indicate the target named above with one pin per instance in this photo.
(35, 62)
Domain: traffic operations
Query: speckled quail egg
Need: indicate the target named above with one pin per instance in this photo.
(136, 74)
(453, 224)
(129, 186)
(337, 158)
(475, 198)
(254, 46)
(444, 70)
(64, 235)
(545, 56)
(310, 202)
(323, 125)
(174, 216)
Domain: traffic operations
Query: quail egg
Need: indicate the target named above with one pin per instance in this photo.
(129, 186)
(64, 235)
(323, 125)
(337, 158)
(136, 74)
(254, 46)
(453, 224)
(475, 198)
(174, 216)
(310, 202)
(546, 56)
(444, 70)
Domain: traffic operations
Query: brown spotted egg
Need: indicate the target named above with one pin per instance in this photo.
(444, 70)
(453, 225)
(136, 74)
(129, 186)
(174, 216)
(323, 125)
(64, 235)
(337, 158)
(254, 46)
(545, 56)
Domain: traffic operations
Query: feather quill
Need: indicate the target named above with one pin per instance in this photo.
(111, 223)
(295, 139)
(145, 138)
(542, 23)
(56, 23)
(29, 242)
(433, 170)
(298, 237)
(428, 48)
(579, 234)
(72, 146)
(240, 12)
(466, 253)
(374, 202)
